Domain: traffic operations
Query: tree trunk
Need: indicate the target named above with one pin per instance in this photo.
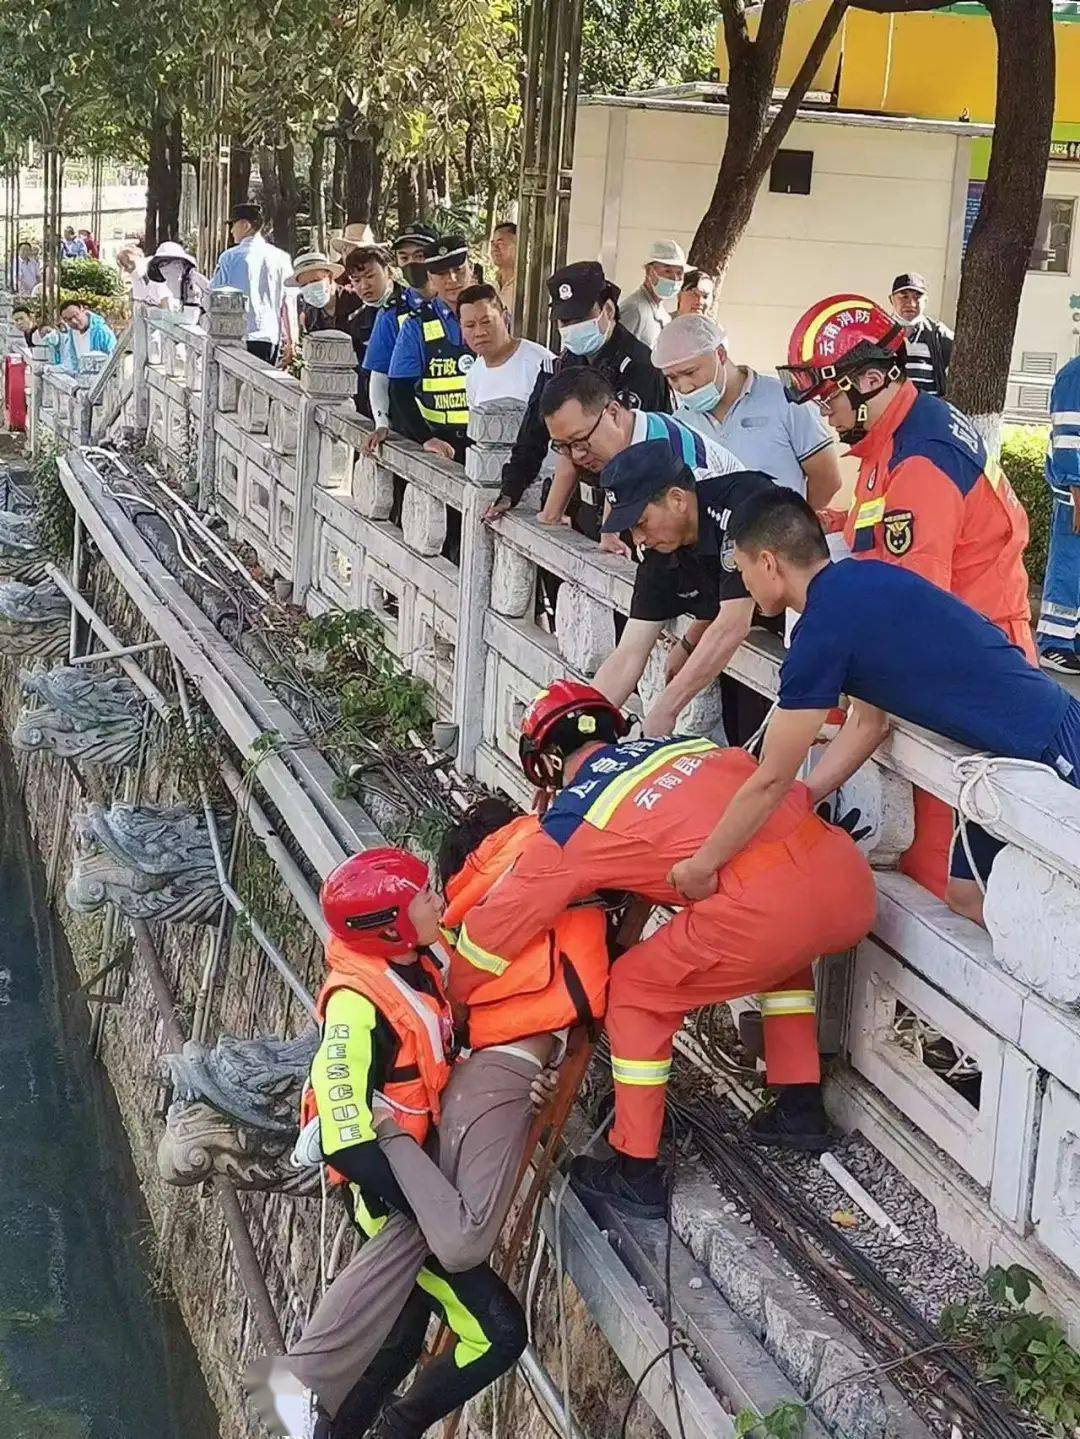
(376, 185)
(156, 184)
(284, 222)
(998, 252)
(337, 183)
(172, 179)
(268, 177)
(239, 175)
(752, 141)
(408, 204)
(317, 196)
(358, 180)
(423, 190)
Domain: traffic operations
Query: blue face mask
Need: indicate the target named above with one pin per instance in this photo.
(584, 338)
(706, 398)
(666, 289)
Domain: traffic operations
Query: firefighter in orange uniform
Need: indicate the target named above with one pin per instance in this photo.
(624, 813)
(926, 498)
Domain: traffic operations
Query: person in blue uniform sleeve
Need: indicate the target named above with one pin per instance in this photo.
(1058, 635)
(409, 248)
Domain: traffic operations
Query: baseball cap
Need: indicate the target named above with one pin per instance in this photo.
(251, 213)
(684, 338)
(666, 252)
(447, 252)
(632, 478)
(419, 234)
(910, 281)
(576, 288)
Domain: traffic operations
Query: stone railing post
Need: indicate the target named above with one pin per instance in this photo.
(474, 598)
(140, 363)
(225, 326)
(39, 363)
(327, 378)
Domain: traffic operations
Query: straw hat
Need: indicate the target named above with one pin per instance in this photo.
(313, 260)
(351, 238)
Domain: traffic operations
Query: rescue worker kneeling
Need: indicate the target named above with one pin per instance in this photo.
(625, 813)
(366, 1335)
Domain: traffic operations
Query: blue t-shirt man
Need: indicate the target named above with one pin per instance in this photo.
(886, 636)
(384, 334)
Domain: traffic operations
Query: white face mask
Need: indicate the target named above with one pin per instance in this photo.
(666, 289)
(317, 293)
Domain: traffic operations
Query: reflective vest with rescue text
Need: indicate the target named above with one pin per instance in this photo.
(558, 979)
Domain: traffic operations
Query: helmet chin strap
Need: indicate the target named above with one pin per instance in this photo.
(846, 383)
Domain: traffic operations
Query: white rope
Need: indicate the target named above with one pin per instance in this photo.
(970, 771)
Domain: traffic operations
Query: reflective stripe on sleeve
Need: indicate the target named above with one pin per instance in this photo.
(479, 957)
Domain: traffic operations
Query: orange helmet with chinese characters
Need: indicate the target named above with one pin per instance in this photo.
(365, 901)
(563, 700)
(835, 339)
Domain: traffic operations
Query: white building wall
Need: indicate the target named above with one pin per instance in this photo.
(881, 201)
(1048, 323)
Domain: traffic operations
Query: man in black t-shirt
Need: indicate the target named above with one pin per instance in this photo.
(688, 567)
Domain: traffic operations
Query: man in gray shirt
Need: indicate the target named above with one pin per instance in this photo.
(642, 312)
(745, 412)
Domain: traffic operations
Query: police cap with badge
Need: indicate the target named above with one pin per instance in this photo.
(447, 252)
(635, 475)
(577, 289)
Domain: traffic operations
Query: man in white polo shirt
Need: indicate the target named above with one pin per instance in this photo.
(747, 413)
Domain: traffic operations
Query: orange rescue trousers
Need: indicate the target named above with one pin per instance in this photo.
(778, 907)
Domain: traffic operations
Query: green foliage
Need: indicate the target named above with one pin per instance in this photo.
(1026, 1353)
(378, 702)
(55, 515)
(627, 45)
(89, 276)
(786, 1421)
(1023, 458)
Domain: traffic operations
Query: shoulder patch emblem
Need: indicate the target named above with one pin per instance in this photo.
(899, 532)
(727, 556)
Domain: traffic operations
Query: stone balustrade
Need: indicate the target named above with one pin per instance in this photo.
(963, 1045)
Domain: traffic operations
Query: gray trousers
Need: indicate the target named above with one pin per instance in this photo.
(460, 1199)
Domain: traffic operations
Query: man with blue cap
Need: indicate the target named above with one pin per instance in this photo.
(688, 569)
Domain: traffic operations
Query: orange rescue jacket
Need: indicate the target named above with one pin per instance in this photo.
(423, 1025)
(558, 979)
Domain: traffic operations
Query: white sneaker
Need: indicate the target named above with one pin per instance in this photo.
(283, 1404)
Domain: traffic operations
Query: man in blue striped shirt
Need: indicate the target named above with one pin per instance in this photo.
(1058, 635)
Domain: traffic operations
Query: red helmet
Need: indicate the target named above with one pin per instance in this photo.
(563, 699)
(835, 337)
(365, 901)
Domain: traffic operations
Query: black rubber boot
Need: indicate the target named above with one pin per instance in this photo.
(796, 1120)
(634, 1187)
(390, 1425)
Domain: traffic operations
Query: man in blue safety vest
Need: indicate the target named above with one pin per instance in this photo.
(431, 359)
(408, 248)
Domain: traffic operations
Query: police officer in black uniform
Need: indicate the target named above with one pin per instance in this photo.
(585, 305)
(430, 359)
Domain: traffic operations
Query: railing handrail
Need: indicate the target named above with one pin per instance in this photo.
(124, 346)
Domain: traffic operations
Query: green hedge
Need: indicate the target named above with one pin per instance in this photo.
(1023, 458)
(90, 276)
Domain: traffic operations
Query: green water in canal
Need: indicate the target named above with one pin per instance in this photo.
(87, 1349)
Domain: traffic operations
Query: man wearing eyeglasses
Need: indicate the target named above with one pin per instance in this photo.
(695, 578)
(584, 304)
